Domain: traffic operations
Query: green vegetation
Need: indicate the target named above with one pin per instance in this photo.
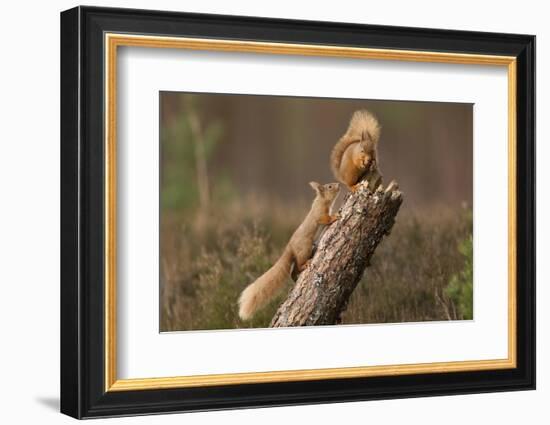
(186, 144)
(461, 286)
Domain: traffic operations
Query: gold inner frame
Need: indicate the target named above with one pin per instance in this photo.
(113, 41)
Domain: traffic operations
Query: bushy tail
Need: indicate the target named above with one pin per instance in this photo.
(363, 126)
(257, 294)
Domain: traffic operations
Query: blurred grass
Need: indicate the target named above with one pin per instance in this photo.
(205, 267)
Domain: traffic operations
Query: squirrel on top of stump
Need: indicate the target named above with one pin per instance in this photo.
(353, 158)
(355, 155)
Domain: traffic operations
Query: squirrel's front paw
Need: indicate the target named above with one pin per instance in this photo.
(334, 218)
(354, 188)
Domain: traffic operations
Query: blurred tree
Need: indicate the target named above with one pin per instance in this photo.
(198, 139)
(187, 145)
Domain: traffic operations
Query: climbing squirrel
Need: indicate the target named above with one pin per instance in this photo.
(296, 254)
(355, 155)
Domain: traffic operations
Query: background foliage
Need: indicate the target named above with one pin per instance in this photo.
(234, 188)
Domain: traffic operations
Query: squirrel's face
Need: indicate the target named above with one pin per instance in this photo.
(327, 191)
(365, 157)
(330, 191)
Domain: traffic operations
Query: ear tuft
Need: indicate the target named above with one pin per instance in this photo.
(316, 186)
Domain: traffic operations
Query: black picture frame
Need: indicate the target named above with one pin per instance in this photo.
(83, 392)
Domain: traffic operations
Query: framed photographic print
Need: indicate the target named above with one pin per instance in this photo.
(261, 212)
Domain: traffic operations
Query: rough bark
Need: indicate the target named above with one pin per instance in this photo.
(322, 290)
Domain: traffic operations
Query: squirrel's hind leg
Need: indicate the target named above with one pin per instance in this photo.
(303, 256)
(304, 266)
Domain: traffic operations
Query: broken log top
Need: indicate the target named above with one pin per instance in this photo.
(322, 290)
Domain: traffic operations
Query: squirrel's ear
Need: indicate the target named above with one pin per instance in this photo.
(316, 186)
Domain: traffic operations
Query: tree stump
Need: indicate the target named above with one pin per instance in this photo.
(322, 290)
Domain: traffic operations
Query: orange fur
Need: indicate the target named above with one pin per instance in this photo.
(296, 254)
(356, 152)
